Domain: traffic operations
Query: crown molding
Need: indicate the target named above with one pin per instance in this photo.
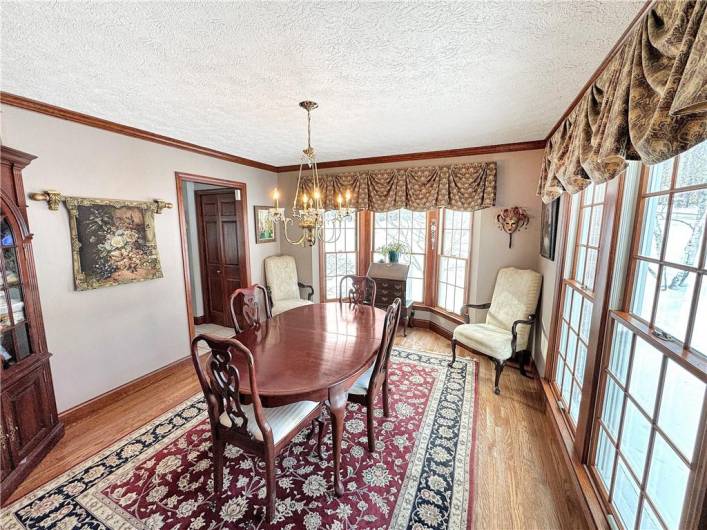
(602, 66)
(65, 114)
(426, 155)
(33, 105)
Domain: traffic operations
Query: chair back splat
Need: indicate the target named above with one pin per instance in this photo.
(362, 290)
(221, 386)
(390, 327)
(245, 307)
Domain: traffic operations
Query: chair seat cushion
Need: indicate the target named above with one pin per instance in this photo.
(282, 420)
(285, 305)
(485, 338)
(360, 387)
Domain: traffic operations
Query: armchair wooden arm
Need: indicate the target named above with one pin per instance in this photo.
(530, 321)
(305, 286)
(465, 314)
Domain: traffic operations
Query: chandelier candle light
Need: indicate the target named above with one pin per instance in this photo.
(310, 216)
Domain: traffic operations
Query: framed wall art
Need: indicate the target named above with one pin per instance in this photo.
(112, 241)
(548, 229)
(264, 227)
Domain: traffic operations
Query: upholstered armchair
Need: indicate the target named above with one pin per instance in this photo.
(283, 286)
(509, 321)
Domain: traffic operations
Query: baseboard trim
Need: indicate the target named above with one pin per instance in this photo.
(591, 504)
(85, 409)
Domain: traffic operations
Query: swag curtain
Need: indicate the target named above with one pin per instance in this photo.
(649, 103)
(466, 187)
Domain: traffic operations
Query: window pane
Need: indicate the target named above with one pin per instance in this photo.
(692, 168)
(686, 228)
(674, 299)
(620, 352)
(581, 362)
(567, 384)
(653, 226)
(599, 191)
(591, 268)
(667, 482)
(574, 403)
(660, 176)
(581, 261)
(595, 229)
(586, 221)
(563, 338)
(645, 372)
(576, 309)
(613, 402)
(605, 458)
(644, 289)
(571, 349)
(699, 332)
(625, 495)
(586, 320)
(634, 438)
(559, 371)
(649, 520)
(681, 407)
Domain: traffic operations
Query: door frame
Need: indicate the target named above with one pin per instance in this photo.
(182, 177)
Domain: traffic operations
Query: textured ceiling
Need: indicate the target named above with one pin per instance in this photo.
(389, 77)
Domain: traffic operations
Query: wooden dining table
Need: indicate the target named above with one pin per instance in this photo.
(314, 352)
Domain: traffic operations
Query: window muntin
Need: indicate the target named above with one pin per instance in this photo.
(577, 302)
(453, 265)
(410, 228)
(340, 255)
(669, 259)
(647, 432)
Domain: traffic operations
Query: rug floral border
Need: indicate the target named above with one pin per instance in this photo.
(454, 415)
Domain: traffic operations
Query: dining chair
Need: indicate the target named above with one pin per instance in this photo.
(283, 284)
(245, 307)
(369, 385)
(264, 432)
(362, 290)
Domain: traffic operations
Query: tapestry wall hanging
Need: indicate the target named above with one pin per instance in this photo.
(112, 241)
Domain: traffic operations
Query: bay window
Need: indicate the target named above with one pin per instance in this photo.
(453, 263)
(409, 228)
(339, 257)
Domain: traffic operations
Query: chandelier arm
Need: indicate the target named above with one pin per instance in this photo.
(336, 232)
(285, 222)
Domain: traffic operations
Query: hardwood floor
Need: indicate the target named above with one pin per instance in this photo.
(521, 481)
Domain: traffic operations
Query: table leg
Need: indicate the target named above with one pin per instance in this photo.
(337, 406)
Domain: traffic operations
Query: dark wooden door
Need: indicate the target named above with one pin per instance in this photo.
(222, 251)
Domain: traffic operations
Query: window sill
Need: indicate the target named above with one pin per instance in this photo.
(452, 317)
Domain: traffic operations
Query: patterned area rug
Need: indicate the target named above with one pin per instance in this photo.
(160, 477)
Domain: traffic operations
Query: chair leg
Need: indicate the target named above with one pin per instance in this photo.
(386, 402)
(499, 369)
(454, 352)
(271, 492)
(320, 436)
(218, 447)
(371, 429)
(523, 359)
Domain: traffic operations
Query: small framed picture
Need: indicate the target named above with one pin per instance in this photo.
(264, 227)
(548, 229)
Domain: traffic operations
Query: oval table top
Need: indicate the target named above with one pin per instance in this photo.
(304, 352)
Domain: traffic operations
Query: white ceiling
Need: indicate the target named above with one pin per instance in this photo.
(389, 77)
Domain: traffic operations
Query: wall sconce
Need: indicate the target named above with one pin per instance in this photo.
(510, 220)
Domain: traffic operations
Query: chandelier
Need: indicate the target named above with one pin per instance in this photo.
(308, 210)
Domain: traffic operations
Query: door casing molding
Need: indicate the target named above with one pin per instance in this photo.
(182, 177)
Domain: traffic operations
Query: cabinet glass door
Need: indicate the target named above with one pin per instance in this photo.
(15, 344)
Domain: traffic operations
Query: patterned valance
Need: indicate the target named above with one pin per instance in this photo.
(649, 103)
(465, 187)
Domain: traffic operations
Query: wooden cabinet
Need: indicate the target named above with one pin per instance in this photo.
(28, 418)
(391, 283)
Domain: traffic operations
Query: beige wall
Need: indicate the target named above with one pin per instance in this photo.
(518, 174)
(106, 337)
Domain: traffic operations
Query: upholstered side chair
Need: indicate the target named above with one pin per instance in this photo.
(362, 290)
(262, 431)
(509, 321)
(375, 380)
(245, 304)
(283, 285)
